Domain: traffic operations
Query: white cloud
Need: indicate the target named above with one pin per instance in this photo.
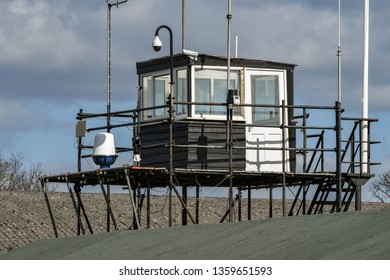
(34, 33)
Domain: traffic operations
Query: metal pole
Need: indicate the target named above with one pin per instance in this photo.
(109, 5)
(76, 207)
(338, 157)
(339, 54)
(197, 205)
(271, 202)
(148, 203)
(77, 187)
(183, 23)
(183, 209)
(284, 158)
(183, 204)
(108, 203)
(239, 204)
(171, 118)
(364, 148)
(79, 148)
(304, 131)
(249, 203)
(171, 111)
(81, 207)
(229, 17)
(53, 222)
(131, 199)
(230, 115)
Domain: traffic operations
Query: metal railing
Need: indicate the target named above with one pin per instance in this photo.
(320, 146)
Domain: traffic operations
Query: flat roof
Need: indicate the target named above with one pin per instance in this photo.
(181, 59)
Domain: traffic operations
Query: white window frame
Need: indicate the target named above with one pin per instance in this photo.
(153, 76)
(222, 75)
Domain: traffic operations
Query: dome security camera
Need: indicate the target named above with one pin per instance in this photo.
(157, 44)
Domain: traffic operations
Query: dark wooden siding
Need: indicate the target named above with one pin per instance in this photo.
(158, 156)
(202, 133)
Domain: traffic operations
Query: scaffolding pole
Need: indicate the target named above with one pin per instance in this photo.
(108, 202)
(131, 198)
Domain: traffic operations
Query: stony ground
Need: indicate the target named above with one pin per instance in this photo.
(24, 217)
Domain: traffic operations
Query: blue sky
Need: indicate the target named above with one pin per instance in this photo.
(53, 61)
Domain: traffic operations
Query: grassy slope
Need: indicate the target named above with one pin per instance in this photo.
(354, 235)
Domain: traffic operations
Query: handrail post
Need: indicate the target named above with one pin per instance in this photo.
(53, 222)
(338, 156)
(284, 156)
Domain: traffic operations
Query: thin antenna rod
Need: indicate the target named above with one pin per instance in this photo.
(236, 46)
(229, 17)
(339, 53)
(183, 25)
(109, 5)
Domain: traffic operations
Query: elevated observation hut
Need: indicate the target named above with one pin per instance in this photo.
(195, 129)
(201, 110)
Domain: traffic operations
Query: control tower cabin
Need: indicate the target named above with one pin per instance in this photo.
(262, 91)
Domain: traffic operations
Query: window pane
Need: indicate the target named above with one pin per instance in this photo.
(202, 94)
(181, 92)
(147, 100)
(265, 91)
(210, 86)
(220, 94)
(159, 95)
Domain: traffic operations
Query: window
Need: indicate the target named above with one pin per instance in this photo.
(210, 87)
(265, 91)
(181, 91)
(203, 94)
(155, 93)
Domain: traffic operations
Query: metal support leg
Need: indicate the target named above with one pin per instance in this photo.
(148, 203)
(249, 203)
(53, 222)
(76, 208)
(239, 204)
(131, 198)
(108, 195)
(270, 202)
(197, 205)
(170, 204)
(284, 158)
(109, 210)
(183, 204)
(230, 208)
(358, 198)
(81, 208)
(184, 211)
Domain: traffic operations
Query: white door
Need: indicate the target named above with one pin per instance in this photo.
(264, 87)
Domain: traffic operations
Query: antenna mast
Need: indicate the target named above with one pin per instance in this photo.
(109, 5)
(183, 24)
(364, 149)
(339, 54)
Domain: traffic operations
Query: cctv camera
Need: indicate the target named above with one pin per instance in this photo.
(157, 44)
(192, 54)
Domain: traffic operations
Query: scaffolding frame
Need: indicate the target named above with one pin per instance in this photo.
(344, 182)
